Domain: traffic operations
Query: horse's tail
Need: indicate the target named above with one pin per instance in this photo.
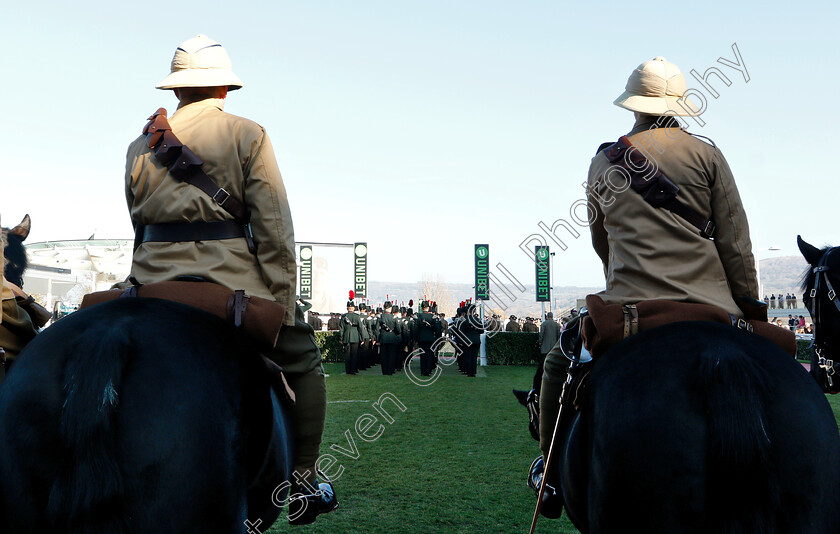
(743, 493)
(87, 495)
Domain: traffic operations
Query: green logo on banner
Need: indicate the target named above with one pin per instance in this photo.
(482, 272)
(541, 256)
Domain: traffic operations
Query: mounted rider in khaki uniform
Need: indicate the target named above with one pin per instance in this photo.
(183, 231)
(660, 252)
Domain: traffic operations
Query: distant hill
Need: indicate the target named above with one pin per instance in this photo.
(782, 275)
(778, 275)
(509, 301)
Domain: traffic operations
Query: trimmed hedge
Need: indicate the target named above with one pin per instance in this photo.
(503, 348)
(803, 350)
(522, 348)
(330, 346)
(513, 348)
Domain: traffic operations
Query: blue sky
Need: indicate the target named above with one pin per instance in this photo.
(421, 127)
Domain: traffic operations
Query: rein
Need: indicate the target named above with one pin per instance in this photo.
(820, 345)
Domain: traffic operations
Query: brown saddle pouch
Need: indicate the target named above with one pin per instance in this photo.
(259, 319)
(37, 313)
(607, 324)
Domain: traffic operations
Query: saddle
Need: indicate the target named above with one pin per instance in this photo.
(260, 319)
(607, 324)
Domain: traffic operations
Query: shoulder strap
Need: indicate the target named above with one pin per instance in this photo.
(657, 190)
(184, 165)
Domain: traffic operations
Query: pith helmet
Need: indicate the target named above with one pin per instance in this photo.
(654, 89)
(200, 62)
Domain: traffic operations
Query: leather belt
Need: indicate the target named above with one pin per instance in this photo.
(190, 231)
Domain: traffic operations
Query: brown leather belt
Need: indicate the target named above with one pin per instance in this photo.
(194, 231)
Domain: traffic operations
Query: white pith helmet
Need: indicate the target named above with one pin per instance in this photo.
(200, 62)
(654, 89)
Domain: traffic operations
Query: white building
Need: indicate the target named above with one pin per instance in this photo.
(64, 271)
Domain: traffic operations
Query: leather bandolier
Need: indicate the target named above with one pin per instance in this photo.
(652, 184)
(184, 165)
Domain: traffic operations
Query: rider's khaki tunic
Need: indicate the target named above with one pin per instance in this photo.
(238, 156)
(651, 253)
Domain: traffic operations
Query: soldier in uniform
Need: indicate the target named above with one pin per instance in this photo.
(334, 321)
(651, 252)
(372, 343)
(315, 321)
(530, 326)
(512, 325)
(472, 326)
(399, 348)
(408, 333)
(426, 330)
(352, 331)
(255, 254)
(389, 333)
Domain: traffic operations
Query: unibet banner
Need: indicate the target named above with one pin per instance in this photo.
(305, 276)
(482, 272)
(360, 270)
(541, 256)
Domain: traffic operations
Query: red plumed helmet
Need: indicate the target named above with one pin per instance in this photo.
(411, 302)
(352, 294)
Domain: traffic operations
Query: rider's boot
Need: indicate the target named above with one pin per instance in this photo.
(531, 401)
(305, 506)
(552, 501)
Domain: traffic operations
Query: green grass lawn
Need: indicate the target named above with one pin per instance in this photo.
(455, 461)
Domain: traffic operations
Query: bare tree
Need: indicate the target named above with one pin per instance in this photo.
(433, 286)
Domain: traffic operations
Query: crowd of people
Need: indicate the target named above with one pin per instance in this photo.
(387, 335)
(781, 302)
(796, 324)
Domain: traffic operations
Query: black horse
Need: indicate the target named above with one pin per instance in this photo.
(141, 416)
(700, 427)
(820, 283)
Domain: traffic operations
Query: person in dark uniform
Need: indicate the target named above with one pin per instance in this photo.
(389, 334)
(530, 325)
(472, 326)
(408, 333)
(334, 322)
(364, 351)
(512, 325)
(426, 330)
(399, 347)
(458, 337)
(315, 321)
(370, 324)
(351, 333)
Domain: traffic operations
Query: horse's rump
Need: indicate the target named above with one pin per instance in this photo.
(132, 413)
(694, 427)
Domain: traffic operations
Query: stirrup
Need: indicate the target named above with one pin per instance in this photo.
(304, 509)
(552, 501)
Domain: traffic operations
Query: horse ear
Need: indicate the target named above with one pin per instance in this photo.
(812, 254)
(23, 228)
